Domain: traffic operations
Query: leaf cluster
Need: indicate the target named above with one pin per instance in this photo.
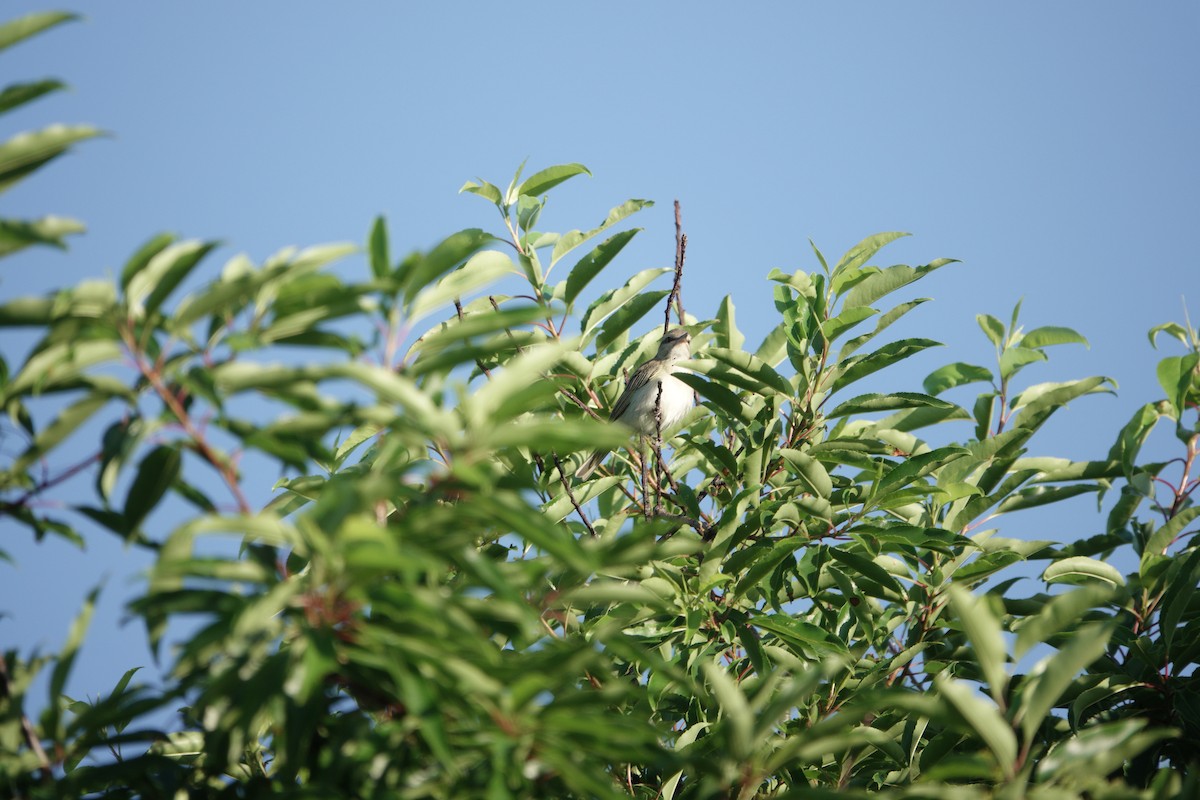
(801, 590)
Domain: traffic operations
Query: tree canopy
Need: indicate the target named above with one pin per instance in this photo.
(803, 590)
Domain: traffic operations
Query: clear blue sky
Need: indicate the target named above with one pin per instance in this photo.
(1051, 147)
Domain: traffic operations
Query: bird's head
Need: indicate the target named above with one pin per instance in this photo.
(675, 346)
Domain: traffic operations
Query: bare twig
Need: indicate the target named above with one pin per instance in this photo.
(566, 484)
(676, 295)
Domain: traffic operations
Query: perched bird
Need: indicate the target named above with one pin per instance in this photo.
(636, 406)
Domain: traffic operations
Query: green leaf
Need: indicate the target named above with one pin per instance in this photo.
(864, 569)
(1177, 376)
(1133, 436)
(448, 254)
(546, 179)
(861, 366)
(751, 366)
(21, 28)
(1181, 580)
(1101, 749)
(572, 239)
(381, 263)
(800, 636)
(992, 327)
(66, 659)
(857, 256)
(853, 345)
(554, 435)
(983, 630)
(718, 395)
(509, 392)
(16, 235)
(60, 364)
(1038, 402)
(725, 328)
(1171, 329)
(1053, 675)
(1042, 495)
(1082, 570)
(1014, 358)
(1062, 613)
(480, 270)
(983, 718)
(149, 286)
(810, 472)
(483, 189)
(735, 710)
(18, 94)
(156, 472)
(889, 280)
(590, 265)
(834, 327)
(1051, 335)
(62, 427)
(26, 152)
(1162, 538)
(867, 403)
(956, 374)
(611, 300)
(621, 320)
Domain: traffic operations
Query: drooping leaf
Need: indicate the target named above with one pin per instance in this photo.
(957, 374)
(156, 473)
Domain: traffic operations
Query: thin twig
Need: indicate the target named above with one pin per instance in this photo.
(48, 483)
(658, 420)
(645, 478)
(676, 295)
(699, 526)
(225, 467)
(566, 484)
(459, 310)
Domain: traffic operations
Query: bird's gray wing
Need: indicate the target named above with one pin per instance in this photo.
(640, 377)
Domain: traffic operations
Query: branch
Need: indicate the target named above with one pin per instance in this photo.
(566, 484)
(676, 295)
(223, 466)
(458, 309)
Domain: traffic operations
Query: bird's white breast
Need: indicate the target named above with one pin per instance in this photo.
(674, 405)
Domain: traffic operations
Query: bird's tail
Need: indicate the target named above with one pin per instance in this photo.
(589, 466)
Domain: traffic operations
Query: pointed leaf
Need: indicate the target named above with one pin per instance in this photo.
(381, 265)
(956, 374)
(546, 179)
(984, 633)
(590, 265)
(21, 28)
(1051, 677)
(26, 152)
(156, 472)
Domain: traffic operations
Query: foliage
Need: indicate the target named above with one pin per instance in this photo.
(801, 596)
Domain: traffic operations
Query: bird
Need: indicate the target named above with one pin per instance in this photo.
(636, 407)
